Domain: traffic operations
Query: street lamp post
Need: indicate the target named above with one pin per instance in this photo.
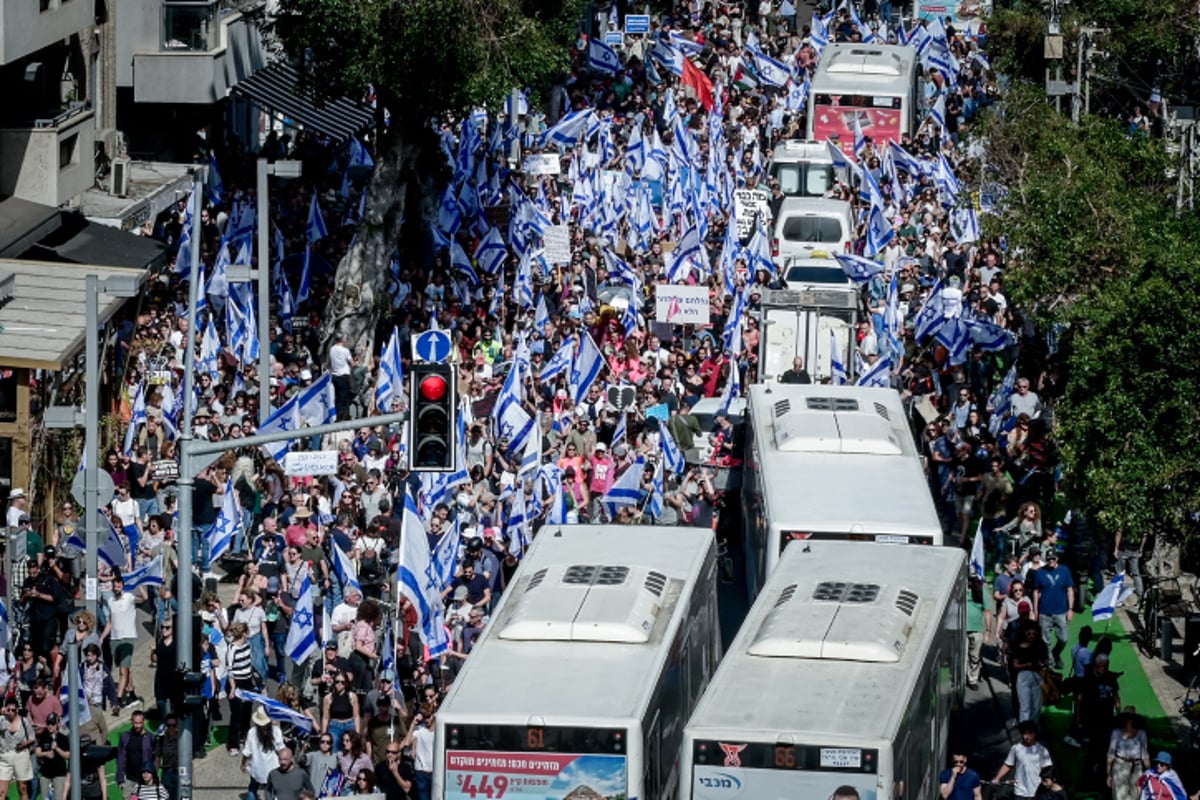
(283, 169)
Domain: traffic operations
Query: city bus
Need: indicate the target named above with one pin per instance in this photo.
(873, 83)
(829, 462)
(587, 670)
(846, 672)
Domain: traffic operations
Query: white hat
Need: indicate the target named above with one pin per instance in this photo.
(16, 494)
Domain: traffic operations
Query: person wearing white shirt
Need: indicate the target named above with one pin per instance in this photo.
(420, 739)
(1026, 760)
(341, 362)
(952, 298)
(1023, 401)
(16, 509)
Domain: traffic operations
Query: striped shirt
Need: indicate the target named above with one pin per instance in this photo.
(239, 662)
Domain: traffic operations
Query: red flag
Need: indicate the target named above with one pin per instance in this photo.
(699, 82)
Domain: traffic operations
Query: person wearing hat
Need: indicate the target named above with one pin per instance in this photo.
(1161, 781)
(260, 753)
(16, 507)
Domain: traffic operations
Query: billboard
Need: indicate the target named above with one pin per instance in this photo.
(738, 783)
(475, 774)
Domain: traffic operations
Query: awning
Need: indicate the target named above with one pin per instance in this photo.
(277, 87)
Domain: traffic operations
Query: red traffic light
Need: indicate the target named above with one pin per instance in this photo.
(433, 388)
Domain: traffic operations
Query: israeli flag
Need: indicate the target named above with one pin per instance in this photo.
(359, 157)
(462, 264)
(654, 503)
(276, 710)
(210, 350)
(669, 56)
(531, 459)
(566, 131)
(931, 316)
(551, 477)
(81, 704)
(5, 632)
(218, 282)
(517, 526)
(216, 187)
(965, 223)
(112, 549)
(837, 368)
(1110, 598)
(978, 559)
(687, 254)
(858, 269)
(418, 579)
(585, 368)
(315, 228)
(149, 574)
(839, 159)
(879, 232)
(602, 58)
(619, 434)
(988, 336)
(686, 45)
(302, 633)
(954, 335)
(344, 568)
(390, 383)
(946, 182)
(733, 387)
(285, 418)
(797, 95)
(513, 423)
(758, 250)
(878, 375)
(137, 419)
(627, 489)
(559, 363)
(541, 316)
(938, 113)
(772, 72)
(316, 403)
(228, 524)
(491, 252)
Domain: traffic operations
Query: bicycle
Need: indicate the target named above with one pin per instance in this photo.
(1163, 599)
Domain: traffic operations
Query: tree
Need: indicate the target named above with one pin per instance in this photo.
(425, 59)
(1097, 248)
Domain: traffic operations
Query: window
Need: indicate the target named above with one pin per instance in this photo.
(68, 151)
(45, 5)
(826, 230)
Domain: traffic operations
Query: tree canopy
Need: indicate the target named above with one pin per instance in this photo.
(1099, 252)
(427, 57)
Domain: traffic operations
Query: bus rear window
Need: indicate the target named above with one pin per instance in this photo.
(804, 180)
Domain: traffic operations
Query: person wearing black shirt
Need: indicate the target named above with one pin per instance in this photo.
(139, 473)
(209, 483)
(52, 750)
(394, 776)
(797, 374)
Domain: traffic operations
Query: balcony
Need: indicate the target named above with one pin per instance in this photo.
(49, 160)
(203, 49)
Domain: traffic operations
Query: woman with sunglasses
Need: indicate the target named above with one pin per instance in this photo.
(339, 711)
(353, 759)
(322, 761)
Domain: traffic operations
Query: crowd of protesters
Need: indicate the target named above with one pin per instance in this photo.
(361, 704)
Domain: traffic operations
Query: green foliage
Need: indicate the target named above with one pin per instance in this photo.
(427, 57)
(1014, 41)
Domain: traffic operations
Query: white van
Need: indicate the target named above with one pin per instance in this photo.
(818, 272)
(803, 169)
(806, 225)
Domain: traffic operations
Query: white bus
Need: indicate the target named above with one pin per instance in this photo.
(845, 673)
(587, 671)
(829, 462)
(873, 83)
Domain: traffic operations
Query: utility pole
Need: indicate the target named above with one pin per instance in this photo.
(1053, 52)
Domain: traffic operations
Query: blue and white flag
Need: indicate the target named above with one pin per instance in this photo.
(148, 574)
(302, 633)
(359, 157)
(216, 187)
(672, 455)
(5, 631)
(1110, 598)
(619, 434)
(390, 383)
(978, 558)
(551, 476)
(566, 131)
(602, 58)
(228, 524)
(218, 281)
(491, 252)
(541, 317)
(81, 704)
(560, 362)
(516, 527)
(137, 419)
(858, 269)
(585, 368)
(285, 418)
(860, 139)
(419, 580)
(276, 710)
(654, 503)
(316, 404)
(954, 335)
(879, 232)
(344, 568)
(878, 374)
(772, 72)
(988, 336)
(210, 350)
(837, 368)
(112, 549)
(627, 489)
(531, 458)
(315, 228)
(669, 56)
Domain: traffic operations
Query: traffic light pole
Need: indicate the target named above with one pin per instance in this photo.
(433, 418)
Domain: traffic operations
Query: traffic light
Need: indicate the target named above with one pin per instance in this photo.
(431, 418)
(193, 688)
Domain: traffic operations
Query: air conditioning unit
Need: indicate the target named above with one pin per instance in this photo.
(120, 177)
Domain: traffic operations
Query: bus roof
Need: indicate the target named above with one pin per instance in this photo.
(833, 645)
(861, 68)
(582, 633)
(821, 448)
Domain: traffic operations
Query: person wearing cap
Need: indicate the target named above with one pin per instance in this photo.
(1025, 761)
(1054, 604)
(53, 748)
(1161, 781)
(16, 507)
(603, 471)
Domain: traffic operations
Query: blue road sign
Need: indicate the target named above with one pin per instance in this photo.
(637, 23)
(432, 346)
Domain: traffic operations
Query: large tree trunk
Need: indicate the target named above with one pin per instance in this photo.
(362, 274)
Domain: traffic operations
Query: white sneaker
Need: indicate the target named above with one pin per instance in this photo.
(1071, 741)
